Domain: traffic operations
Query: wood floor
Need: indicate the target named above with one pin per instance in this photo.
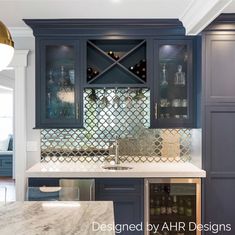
(9, 184)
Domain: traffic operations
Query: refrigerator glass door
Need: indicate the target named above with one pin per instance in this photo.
(173, 205)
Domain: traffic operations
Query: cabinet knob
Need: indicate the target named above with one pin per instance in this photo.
(156, 110)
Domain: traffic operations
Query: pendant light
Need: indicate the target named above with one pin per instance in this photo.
(6, 47)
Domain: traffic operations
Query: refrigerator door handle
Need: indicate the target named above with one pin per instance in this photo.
(146, 206)
(92, 196)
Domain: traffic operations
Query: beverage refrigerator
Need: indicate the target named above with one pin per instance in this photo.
(172, 206)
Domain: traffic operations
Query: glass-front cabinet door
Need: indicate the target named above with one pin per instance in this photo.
(173, 206)
(173, 79)
(59, 95)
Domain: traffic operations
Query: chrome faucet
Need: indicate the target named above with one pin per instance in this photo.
(117, 160)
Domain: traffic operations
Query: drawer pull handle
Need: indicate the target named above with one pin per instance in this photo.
(123, 189)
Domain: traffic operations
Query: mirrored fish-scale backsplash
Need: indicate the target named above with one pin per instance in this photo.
(111, 114)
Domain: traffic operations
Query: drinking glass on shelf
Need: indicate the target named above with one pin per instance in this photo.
(179, 76)
(184, 103)
(72, 76)
(176, 103)
(164, 103)
(104, 100)
(128, 98)
(116, 99)
(164, 76)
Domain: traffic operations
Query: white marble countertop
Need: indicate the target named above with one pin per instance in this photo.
(54, 218)
(95, 170)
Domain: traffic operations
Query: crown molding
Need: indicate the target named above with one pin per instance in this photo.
(201, 13)
(21, 32)
(82, 26)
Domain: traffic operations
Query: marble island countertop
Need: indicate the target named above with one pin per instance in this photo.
(96, 170)
(53, 218)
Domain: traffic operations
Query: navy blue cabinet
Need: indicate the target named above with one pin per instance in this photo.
(75, 54)
(218, 122)
(173, 92)
(128, 198)
(58, 83)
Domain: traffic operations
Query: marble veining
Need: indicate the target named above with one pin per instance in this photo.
(55, 218)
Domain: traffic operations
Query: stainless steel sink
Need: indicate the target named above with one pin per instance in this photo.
(117, 168)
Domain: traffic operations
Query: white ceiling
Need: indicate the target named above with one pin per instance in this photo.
(12, 11)
(4, 90)
(195, 14)
(230, 8)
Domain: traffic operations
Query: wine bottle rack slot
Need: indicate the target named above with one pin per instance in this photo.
(111, 62)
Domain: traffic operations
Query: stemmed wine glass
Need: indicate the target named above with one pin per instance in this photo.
(116, 99)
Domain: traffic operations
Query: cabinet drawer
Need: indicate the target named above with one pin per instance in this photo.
(114, 186)
(5, 162)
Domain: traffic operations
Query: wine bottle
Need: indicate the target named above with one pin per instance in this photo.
(169, 206)
(188, 209)
(162, 189)
(157, 207)
(143, 61)
(152, 207)
(174, 206)
(116, 57)
(181, 207)
(143, 76)
(89, 77)
(132, 69)
(95, 73)
(163, 205)
(111, 54)
(138, 66)
(89, 70)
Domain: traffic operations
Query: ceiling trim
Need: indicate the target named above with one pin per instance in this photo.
(21, 32)
(201, 13)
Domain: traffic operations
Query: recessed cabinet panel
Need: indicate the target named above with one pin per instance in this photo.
(220, 69)
(173, 84)
(219, 203)
(220, 138)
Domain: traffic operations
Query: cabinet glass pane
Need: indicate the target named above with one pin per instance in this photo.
(60, 82)
(173, 82)
(173, 203)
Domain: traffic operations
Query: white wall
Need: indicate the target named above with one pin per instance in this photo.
(6, 81)
(33, 136)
